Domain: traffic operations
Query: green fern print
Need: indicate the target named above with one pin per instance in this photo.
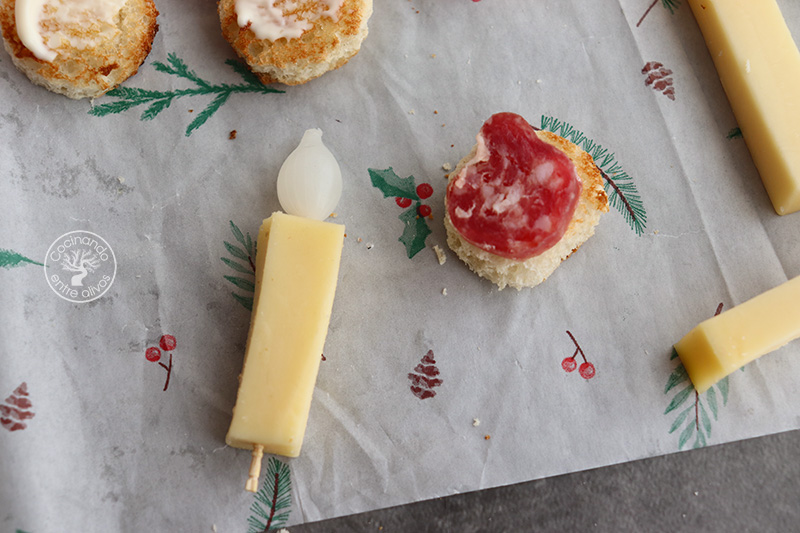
(619, 186)
(247, 254)
(735, 133)
(273, 501)
(129, 97)
(695, 419)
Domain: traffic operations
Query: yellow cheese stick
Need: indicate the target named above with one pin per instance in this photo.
(759, 66)
(730, 340)
(297, 266)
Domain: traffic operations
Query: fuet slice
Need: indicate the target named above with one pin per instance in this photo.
(759, 66)
(297, 266)
(730, 340)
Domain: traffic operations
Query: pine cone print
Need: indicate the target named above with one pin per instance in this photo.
(16, 409)
(658, 78)
(423, 382)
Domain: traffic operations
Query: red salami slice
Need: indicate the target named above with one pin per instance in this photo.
(516, 197)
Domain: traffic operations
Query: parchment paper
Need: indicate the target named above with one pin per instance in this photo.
(109, 450)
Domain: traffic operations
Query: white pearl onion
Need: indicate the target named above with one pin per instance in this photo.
(310, 181)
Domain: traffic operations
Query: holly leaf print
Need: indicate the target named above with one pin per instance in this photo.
(415, 232)
(392, 185)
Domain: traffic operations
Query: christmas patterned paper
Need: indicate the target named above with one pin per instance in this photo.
(114, 404)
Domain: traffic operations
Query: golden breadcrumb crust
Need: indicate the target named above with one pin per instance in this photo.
(93, 71)
(327, 46)
(530, 272)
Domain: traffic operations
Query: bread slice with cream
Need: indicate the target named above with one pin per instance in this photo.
(294, 42)
(530, 272)
(78, 49)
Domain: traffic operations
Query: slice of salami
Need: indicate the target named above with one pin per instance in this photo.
(516, 196)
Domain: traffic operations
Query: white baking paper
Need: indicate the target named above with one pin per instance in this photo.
(108, 449)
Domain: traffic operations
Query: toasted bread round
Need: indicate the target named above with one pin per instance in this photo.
(90, 60)
(530, 272)
(326, 46)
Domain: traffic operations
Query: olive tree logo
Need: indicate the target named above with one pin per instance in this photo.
(80, 266)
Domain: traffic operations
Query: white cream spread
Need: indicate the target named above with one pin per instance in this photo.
(276, 19)
(46, 25)
(27, 16)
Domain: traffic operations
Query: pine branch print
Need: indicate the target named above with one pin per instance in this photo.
(130, 97)
(273, 501)
(671, 5)
(246, 253)
(735, 133)
(10, 259)
(619, 186)
(410, 196)
(694, 417)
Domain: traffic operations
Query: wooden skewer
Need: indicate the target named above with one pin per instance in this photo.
(255, 469)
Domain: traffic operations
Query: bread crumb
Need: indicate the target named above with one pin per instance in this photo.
(476, 422)
(538, 81)
(433, 56)
(411, 112)
(444, 291)
(232, 135)
(487, 437)
(121, 179)
(333, 215)
(191, 111)
(435, 112)
(359, 239)
(447, 167)
(439, 254)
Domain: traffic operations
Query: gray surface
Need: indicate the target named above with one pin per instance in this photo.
(744, 486)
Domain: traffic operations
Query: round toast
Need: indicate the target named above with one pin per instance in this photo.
(92, 58)
(328, 45)
(531, 272)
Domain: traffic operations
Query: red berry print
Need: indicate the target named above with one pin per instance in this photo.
(167, 342)
(153, 354)
(16, 409)
(403, 202)
(424, 190)
(424, 210)
(586, 370)
(424, 379)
